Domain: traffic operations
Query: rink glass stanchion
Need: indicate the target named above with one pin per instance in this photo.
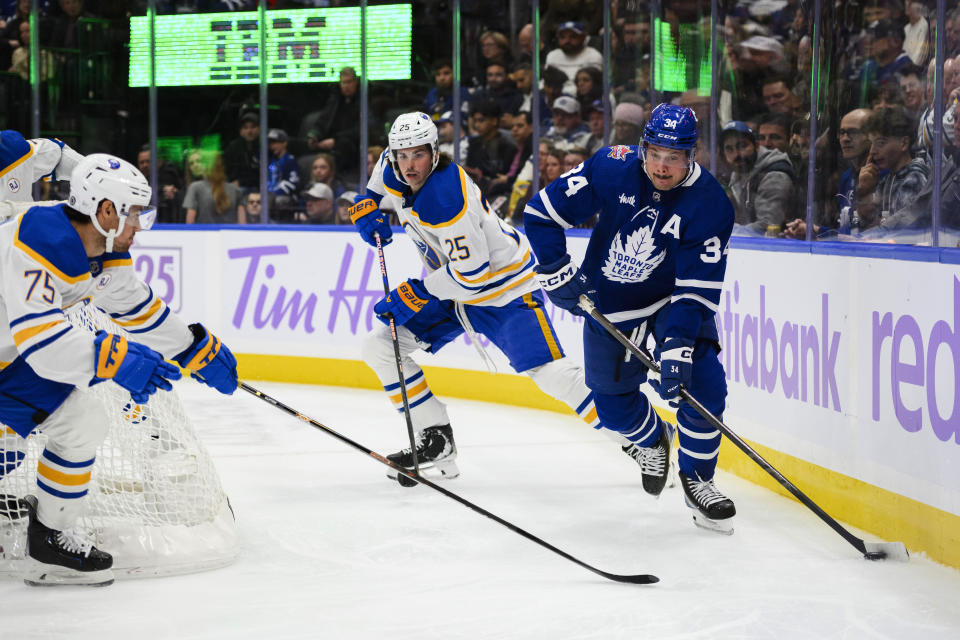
(403, 480)
(870, 550)
(643, 578)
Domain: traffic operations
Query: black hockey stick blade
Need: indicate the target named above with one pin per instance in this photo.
(643, 578)
(870, 550)
(885, 551)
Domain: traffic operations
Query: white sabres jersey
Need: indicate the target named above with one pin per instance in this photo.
(23, 162)
(44, 269)
(471, 255)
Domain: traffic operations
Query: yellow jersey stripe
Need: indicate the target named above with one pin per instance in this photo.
(143, 317)
(516, 266)
(46, 263)
(25, 334)
(66, 479)
(498, 292)
(591, 417)
(456, 218)
(555, 352)
(398, 398)
(16, 163)
(119, 262)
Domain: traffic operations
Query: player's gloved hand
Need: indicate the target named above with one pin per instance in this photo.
(135, 367)
(403, 302)
(564, 283)
(209, 361)
(675, 357)
(370, 221)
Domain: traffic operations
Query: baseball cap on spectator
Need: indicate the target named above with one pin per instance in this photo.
(250, 117)
(567, 104)
(571, 25)
(347, 196)
(738, 127)
(277, 135)
(447, 116)
(313, 133)
(320, 191)
(763, 43)
(629, 112)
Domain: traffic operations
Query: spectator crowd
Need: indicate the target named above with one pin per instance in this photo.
(874, 122)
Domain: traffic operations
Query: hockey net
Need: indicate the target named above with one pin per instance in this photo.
(155, 500)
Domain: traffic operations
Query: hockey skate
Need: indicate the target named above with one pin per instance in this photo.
(436, 456)
(654, 461)
(63, 557)
(711, 509)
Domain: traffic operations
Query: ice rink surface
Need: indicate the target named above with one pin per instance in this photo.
(332, 549)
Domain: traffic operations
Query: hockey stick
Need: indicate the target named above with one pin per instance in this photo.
(634, 579)
(870, 550)
(403, 382)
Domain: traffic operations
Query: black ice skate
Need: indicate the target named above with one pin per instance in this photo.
(63, 557)
(711, 509)
(436, 453)
(654, 462)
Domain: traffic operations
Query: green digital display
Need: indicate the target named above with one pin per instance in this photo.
(682, 59)
(303, 45)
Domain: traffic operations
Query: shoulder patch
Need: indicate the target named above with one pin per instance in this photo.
(443, 199)
(46, 235)
(14, 150)
(620, 152)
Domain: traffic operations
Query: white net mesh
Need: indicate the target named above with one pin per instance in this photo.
(155, 501)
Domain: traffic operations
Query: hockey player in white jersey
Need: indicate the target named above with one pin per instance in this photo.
(23, 162)
(52, 257)
(654, 265)
(480, 280)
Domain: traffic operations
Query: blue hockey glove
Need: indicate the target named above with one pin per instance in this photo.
(675, 357)
(564, 283)
(403, 302)
(371, 221)
(135, 367)
(209, 361)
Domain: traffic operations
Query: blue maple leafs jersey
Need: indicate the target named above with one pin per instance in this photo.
(649, 247)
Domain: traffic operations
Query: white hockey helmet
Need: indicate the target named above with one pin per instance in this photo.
(412, 130)
(100, 176)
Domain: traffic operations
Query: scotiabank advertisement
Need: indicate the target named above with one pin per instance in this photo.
(851, 363)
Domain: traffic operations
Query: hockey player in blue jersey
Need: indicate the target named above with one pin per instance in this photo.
(480, 280)
(654, 266)
(53, 257)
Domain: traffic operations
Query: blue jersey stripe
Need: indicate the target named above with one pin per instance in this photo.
(32, 316)
(60, 494)
(410, 381)
(136, 309)
(43, 343)
(163, 316)
(54, 458)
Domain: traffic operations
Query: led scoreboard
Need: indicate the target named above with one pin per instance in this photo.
(302, 45)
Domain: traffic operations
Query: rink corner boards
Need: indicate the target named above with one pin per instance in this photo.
(923, 528)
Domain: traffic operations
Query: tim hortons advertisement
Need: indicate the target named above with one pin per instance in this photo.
(848, 363)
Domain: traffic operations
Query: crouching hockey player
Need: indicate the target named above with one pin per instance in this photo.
(52, 257)
(654, 266)
(480, 279)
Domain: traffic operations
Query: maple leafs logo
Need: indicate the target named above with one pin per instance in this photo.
(633, 260)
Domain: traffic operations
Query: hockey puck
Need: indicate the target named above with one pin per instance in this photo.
(405, 481)
(875, 555)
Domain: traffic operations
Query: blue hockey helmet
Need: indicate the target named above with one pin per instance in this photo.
(671, 126)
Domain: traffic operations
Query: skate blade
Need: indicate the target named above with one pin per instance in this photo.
(724, 527)
(446, 470)
(40, 575)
